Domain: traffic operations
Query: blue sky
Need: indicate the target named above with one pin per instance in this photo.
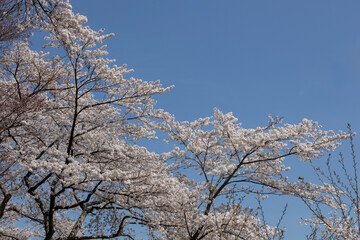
(294, 59)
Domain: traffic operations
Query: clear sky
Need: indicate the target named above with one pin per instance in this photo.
(294, 59)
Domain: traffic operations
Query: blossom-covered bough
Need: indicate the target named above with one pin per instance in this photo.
(338, 215)
(13, 23)
(233, 162)
(72, 166)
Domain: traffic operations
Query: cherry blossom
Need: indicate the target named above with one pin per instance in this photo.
(72, 162)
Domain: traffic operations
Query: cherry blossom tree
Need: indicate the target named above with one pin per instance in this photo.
(338, 216)
(72, 166)
(232, 163)
(72, 169)
(20, 91)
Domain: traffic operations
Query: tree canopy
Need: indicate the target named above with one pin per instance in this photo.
(72, 162)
